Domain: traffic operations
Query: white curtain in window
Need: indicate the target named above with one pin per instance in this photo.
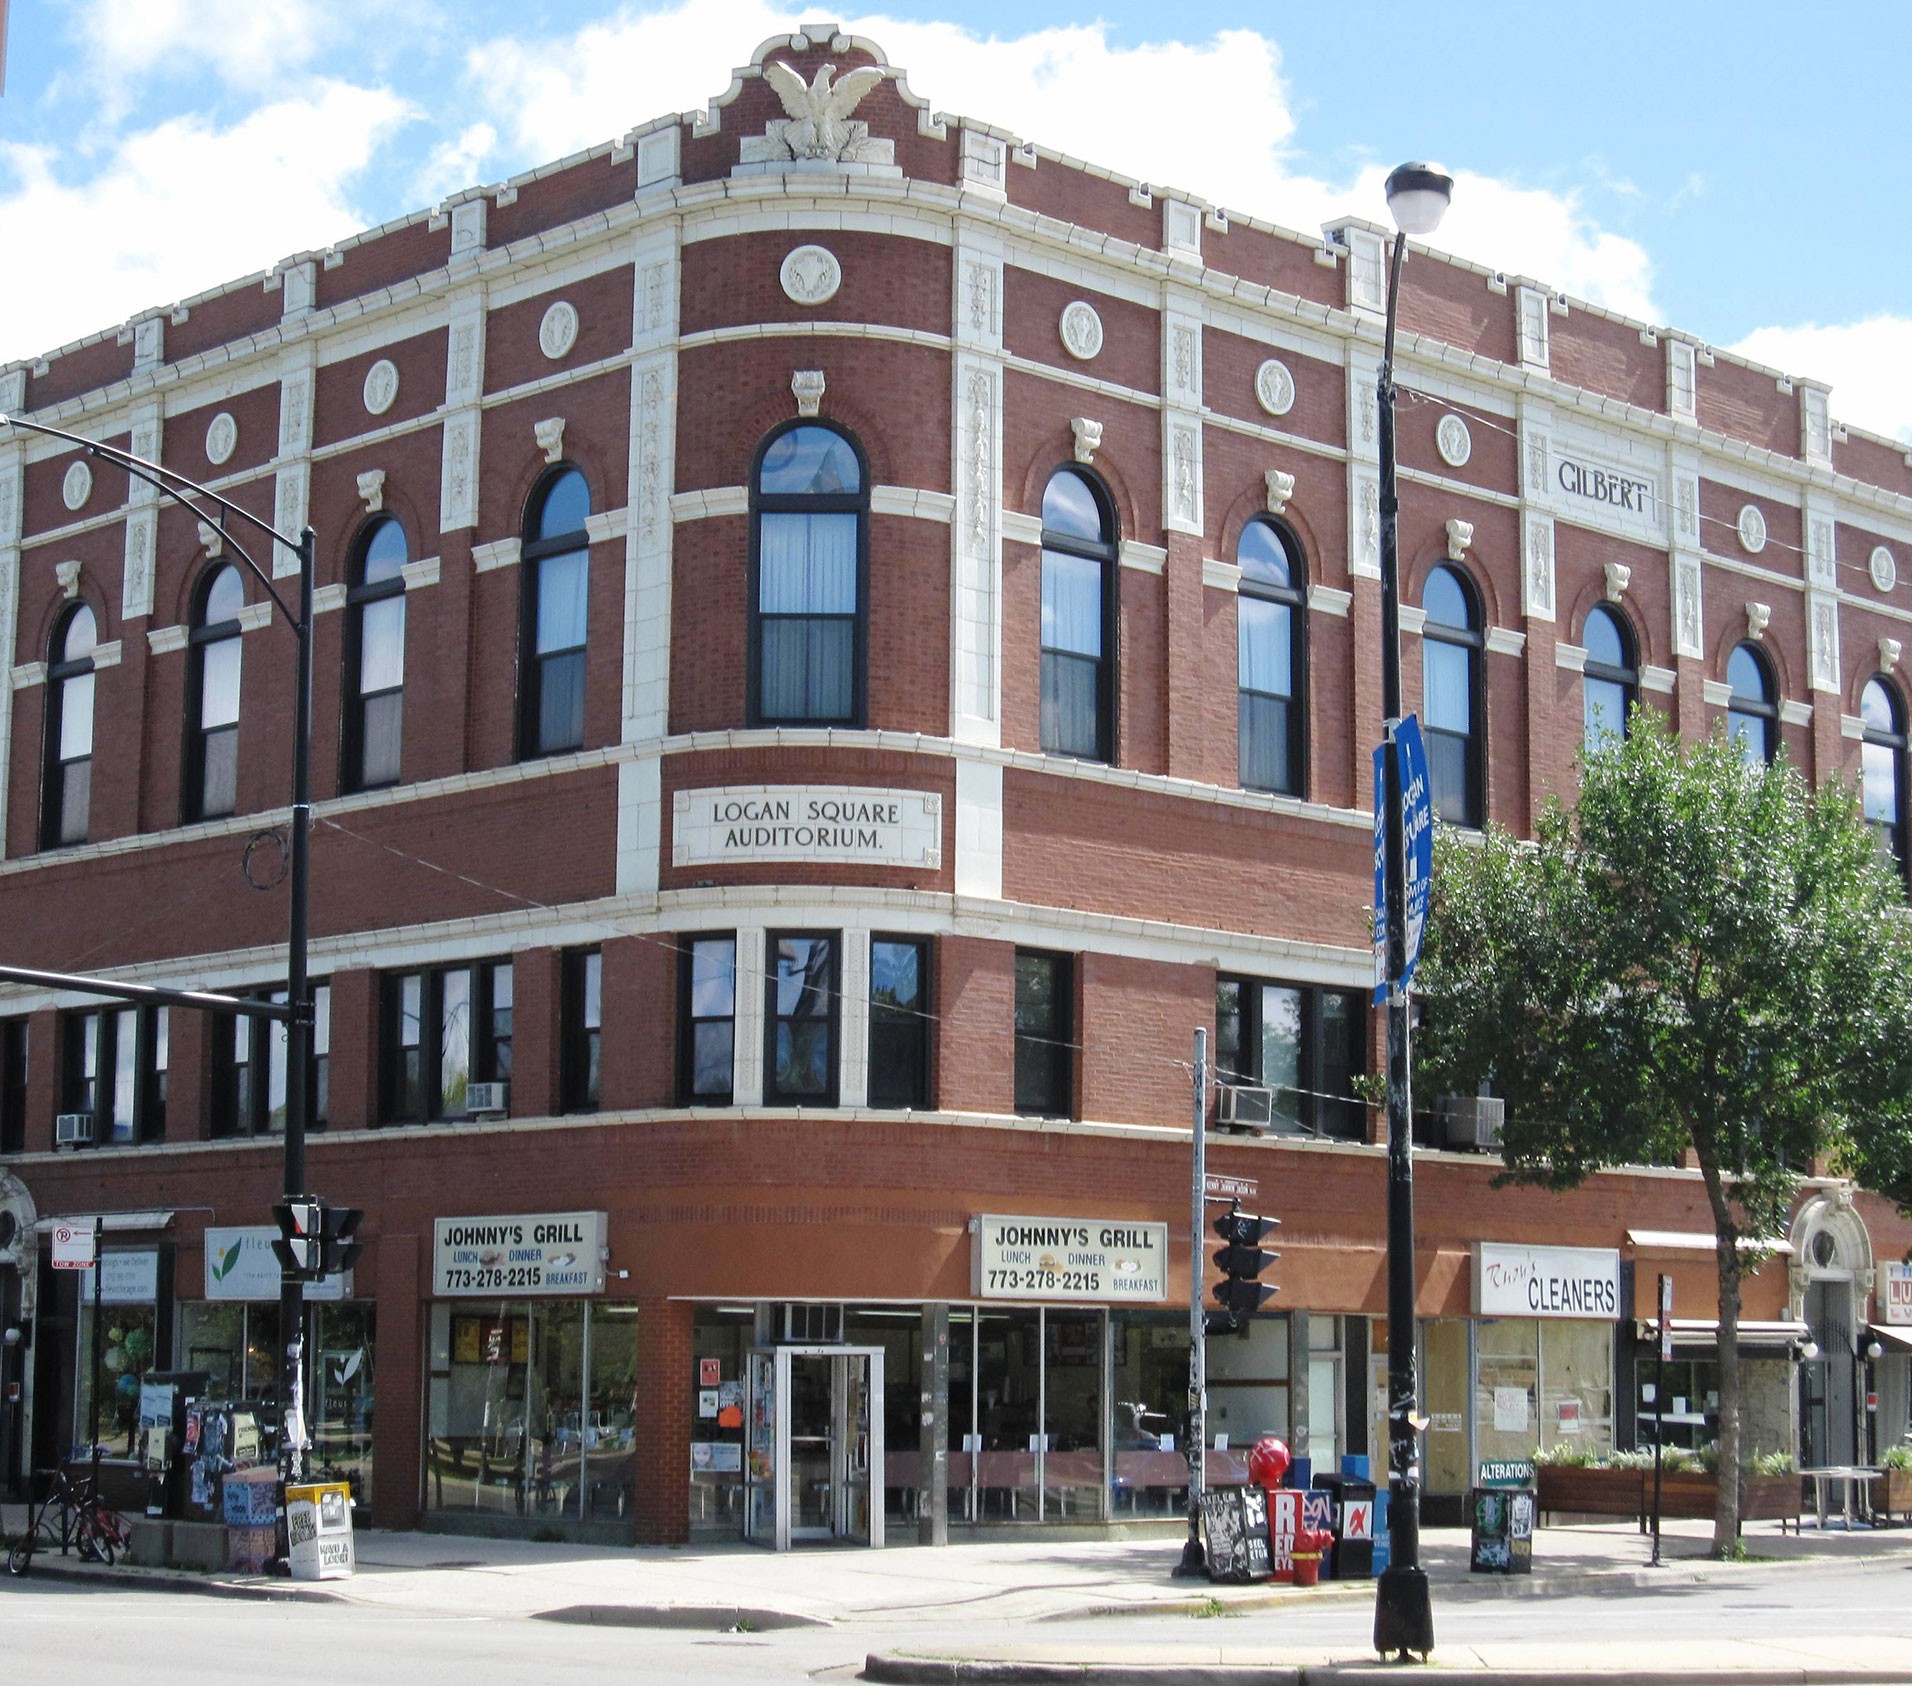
(807, 565)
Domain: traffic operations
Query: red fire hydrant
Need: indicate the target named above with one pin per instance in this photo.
(1310, 1543)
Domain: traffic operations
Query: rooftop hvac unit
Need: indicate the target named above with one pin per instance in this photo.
(1474, 1120)
(73, 1129)
(1244, 1106)
(486, 1097)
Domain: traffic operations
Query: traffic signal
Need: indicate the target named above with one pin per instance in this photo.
(297, 1248)
(1241, 1293)
(337, 1250)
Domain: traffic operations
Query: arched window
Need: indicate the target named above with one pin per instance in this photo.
(212, 696)
(1612, 678)
(68, 789)
(1752, 716)
(1451, 696)
(809, 507)
(375, 657)
(1078, 618)
(554, 617)
(1882, 763)
(1269, 650)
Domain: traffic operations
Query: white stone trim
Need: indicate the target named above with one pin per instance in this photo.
(27, 674)
(163, 640)
(423, 572)
(1223, 576)
(329, 599)
(747, 1028)
(979, 829)
(640, 825)
(1504, 641)
(499, 553)
(1794, 713)
(1572, 658)
(1658, 680)
(978, 526)
(1715, 693)
(713, 501)
(853, 1016)
(913, 503)
(1330, 600)
(1144, 558)
(107, 655)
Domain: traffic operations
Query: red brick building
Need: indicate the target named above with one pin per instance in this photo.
(842, 639)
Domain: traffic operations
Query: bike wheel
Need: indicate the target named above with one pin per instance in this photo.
(20, 1554)
(95, 1538)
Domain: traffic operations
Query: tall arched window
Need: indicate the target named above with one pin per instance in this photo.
(1078, 618)
(212, 696)
(67, 794)
(809, 507)
(375, 657)
(1269, 659)
(1451, 703)
(1612, 678)
(1882, 763)
(554, 617)
(1752, 716)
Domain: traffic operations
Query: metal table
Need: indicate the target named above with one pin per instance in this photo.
(1847, 1476)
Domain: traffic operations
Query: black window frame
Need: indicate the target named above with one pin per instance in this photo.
(688, 1021)
(535, 553)
(1293, 597)
(1626, 676)
(1760, 713)
(490, 1051)
(764, 503)
(60, 773)
(580, 1030)
(151, 1035)
(1045, 1053)
(200, 638)
(1472, 806)
(1893, 741)
(359, 598)
(242, 1089)
(900, 1037)
(1106, 552)
(829, 992)
(15, 1039)
(1321, 1108)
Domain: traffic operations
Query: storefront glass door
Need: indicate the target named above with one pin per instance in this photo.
(814, 1436)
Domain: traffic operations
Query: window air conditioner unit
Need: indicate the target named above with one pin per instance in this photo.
(1244, 1106)
(1474, 1120)
(73, 1129)
(486, 1097)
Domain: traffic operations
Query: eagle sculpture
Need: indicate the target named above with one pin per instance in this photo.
(819, 113)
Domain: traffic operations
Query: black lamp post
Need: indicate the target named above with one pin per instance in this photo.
(1418, 196)
(296, 1013)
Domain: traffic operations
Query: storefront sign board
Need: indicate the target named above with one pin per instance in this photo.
(1576, 1282)
(1092, 1260)
(129, 1278)
(240, 1265)
(518, 1254)
(829, 824)
(1897, 1299)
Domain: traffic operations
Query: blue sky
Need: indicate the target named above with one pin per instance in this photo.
(1714, 166)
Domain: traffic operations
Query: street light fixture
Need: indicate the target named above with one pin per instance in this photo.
(1418, 196)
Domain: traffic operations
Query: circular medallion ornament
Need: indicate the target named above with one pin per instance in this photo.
(381, 386)
(77, 487)
(558, 332)
(810, 275)
(1752, 530)
(1883, 569)
(1453, 441)
(1275, 387)
(1081, 330)
(222, 439)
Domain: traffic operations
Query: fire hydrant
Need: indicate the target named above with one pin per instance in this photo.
(1310, 1544)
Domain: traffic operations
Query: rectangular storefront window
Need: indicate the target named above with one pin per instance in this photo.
(1507, 1390)
(1149, 1353)
(1576, 1385)
(721, 1338)
(530, 1410)
(341, 1346)
(128, 1351)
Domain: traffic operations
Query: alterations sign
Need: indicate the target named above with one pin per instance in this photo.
(1093, 1259)
(1512, 1281)
(519, 1253)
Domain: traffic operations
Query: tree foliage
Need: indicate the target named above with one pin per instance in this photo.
(1700, 955)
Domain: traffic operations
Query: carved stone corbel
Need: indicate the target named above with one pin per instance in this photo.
(1281, 487)
(371, 490)
(1088, 438)
(1618, 577)
(1890, 649)
(1758, 617)
(212, 540)
(807, 387)
(1460, 534)
(68, 574)
(550, 437)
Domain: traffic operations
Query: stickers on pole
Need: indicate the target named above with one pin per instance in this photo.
(1417, 804)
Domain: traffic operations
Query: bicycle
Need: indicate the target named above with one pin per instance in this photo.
(72, 1517)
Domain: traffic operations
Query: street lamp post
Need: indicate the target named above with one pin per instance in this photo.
(1418, 196)
(296, 1015)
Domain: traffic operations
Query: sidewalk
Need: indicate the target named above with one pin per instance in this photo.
(996, 1587)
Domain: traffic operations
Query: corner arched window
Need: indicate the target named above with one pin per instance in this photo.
(375, 657)
(554, 617)
(1752, 714)
(1451, 702)
(1269, 646)
(1611, 681)
(212, 696)
(67, 793)
(1882, 770)
(1078, 618)
(809, 509)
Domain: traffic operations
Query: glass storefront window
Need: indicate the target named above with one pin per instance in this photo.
(898, 1330)
(1507, 1389)
(127, 1353)
(721, 1338)
(1149, 1368)
(339, 1349)
(1543, 1383)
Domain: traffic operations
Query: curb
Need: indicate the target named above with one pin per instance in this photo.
(975, 1671)
(711, 1618)
(120, 1579)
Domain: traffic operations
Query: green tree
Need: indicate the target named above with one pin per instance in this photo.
(1700, 956)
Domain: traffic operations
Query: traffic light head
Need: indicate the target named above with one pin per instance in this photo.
(338, 1252)
(1242, 1258)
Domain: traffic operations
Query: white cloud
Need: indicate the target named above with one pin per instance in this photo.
(1864, 362)
(243, 41)
(178, 209)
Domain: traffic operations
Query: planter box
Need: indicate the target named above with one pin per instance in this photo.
(1590, 1492)
(1684, 1494)
(1892, 1494)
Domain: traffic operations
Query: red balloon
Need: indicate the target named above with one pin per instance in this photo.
(1268, 1461)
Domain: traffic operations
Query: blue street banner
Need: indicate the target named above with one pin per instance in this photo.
(1418, 804)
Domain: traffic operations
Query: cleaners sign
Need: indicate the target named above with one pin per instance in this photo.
(828, 824)
(1096, 1259)
(530, 1253)
(1581, 1282)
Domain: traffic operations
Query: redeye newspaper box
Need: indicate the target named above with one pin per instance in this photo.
(1502, 1511)
(1353, 1495)
(318, 1531)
